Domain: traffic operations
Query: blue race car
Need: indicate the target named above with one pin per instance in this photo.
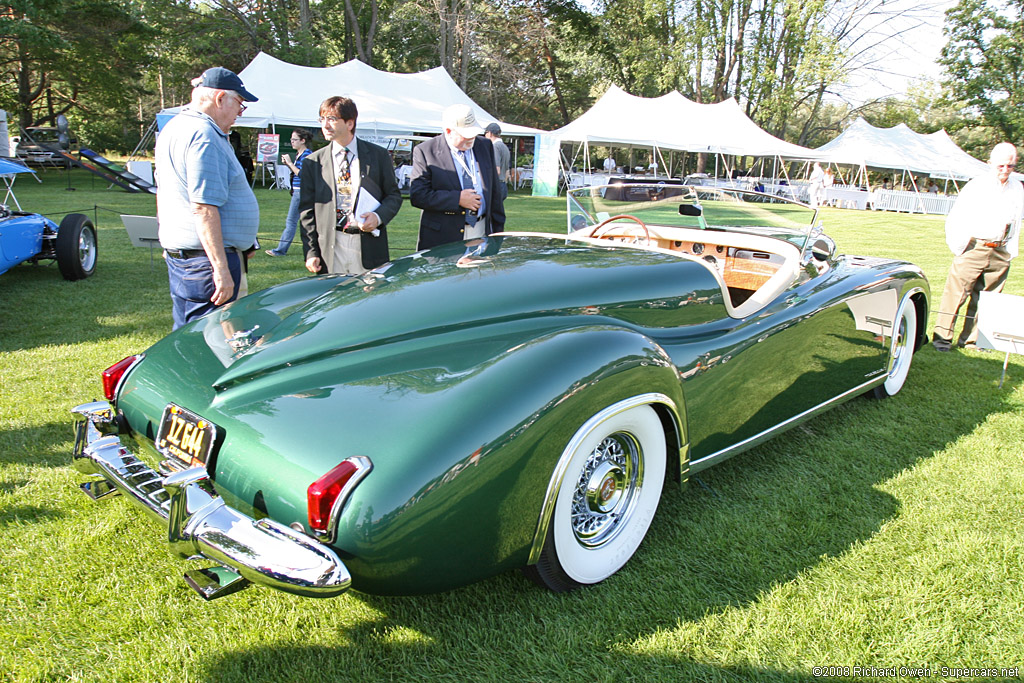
(31, 237)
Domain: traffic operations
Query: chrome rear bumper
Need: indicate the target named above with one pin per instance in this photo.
(200, 524)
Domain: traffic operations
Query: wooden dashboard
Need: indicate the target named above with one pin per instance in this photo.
(740, 268)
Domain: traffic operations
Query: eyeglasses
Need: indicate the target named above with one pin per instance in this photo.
(1009, 166)
(329, 119)
(241, 105)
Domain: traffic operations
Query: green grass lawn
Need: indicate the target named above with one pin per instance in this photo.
(881, 534)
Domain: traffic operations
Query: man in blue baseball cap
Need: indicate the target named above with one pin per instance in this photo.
(207, 212)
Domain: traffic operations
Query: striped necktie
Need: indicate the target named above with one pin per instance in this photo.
(344, 188)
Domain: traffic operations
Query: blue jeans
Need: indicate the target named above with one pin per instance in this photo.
(291, 224)
(191, 283)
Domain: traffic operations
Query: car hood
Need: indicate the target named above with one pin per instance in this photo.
(450, 288)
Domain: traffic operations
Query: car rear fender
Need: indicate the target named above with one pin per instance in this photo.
(466, 503)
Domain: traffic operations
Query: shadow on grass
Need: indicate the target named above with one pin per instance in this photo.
(397, 661)
(744, 528)
(12, 486)
(16, 516)
(39, 445)
(39, 307)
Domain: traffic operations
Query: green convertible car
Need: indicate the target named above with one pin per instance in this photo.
(514, 402)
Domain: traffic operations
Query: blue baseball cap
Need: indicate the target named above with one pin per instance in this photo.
(225, 79)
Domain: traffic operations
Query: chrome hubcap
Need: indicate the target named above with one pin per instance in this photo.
(899, 344)
(87, 249)
(604, 490)
(607, 489)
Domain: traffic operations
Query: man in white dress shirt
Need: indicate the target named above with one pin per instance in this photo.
(983, 232)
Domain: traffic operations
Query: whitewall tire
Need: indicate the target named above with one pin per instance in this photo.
(901, 349)
(608, 494)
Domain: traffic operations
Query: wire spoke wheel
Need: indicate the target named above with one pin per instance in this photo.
(606, 499)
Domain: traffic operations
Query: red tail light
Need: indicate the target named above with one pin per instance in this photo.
(113, 375)
(332, 489)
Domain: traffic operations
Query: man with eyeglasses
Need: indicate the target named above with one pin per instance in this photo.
(347, 196)
(207, 213)
(983, 232)
(455, 182)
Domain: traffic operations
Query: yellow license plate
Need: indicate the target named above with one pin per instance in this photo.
(185, 436)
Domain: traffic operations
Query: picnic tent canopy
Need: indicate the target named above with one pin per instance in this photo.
(900, 148)
(290, 95)
(675, 122)
(9, 167)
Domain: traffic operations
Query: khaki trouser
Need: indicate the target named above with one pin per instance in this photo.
(978, 269)
(348, 254)
(475, 231)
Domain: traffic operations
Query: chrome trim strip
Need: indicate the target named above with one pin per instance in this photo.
(124, 375)
(198, 521)
(921, 334)
(363, 467)
(548, 508)
(750, 442)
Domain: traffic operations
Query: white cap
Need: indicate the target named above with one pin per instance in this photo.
(461, 119)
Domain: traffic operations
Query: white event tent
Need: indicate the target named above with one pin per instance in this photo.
(388, 103)
(900, 148)
(675, 122)
(866, 147)
(669, 122)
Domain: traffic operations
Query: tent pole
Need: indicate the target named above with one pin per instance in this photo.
(563, 169)
(785, 172)
(917, 190)
(662, 157)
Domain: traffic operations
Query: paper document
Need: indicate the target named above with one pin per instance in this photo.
(365, 203)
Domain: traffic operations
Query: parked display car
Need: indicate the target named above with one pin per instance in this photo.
(29, 237)
(39, 142)
(519, 401)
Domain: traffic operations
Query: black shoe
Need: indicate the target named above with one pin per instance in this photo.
(941, 344)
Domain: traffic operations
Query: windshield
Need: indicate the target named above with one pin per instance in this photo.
(686, 206)
(44, 134)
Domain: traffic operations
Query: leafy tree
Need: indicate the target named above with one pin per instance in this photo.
(532, 61)
(984, 62)
(81, 58)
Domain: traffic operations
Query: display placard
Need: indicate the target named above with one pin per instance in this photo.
(268, 147)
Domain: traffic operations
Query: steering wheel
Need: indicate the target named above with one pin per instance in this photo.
(606, 221)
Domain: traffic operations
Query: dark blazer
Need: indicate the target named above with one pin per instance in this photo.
(435, 188)
(318, 203)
